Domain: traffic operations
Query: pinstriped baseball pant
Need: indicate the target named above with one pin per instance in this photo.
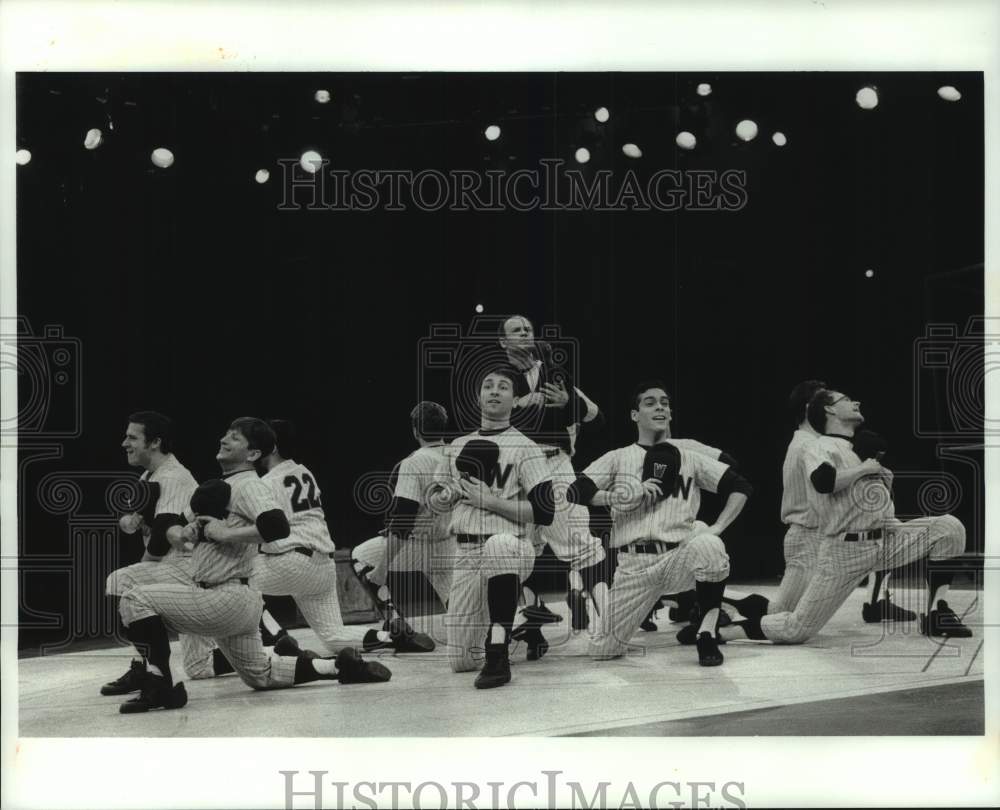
(842, 565)
(229, 613)
(801, 553)
(640, 579)
(569, 534)
(196, 650)
(312, 582)
(468, 619)
(435, 560)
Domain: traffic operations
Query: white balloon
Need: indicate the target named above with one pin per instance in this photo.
(949, 93)
(163, 158)
(704, 89)
(582, 154)
(311, 161)
(492, 132)
(685, 140)
(867, 98)
(262, 176)
(632, 151)
(602, 114)
(746, 130)
(22, 157)
(322, 96)
(93, 139)
(779, 138)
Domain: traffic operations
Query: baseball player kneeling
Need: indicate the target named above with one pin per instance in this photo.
(498, 482)
(654, 489)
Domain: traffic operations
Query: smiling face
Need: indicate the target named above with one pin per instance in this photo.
(496, 397)
(653, 412)
(844, 409)
(138, 452)
(234, 451)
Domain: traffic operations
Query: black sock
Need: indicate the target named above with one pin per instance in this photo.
(150, 638)
(877, 579)
(532, 584)
(399, 594)
(939, 574)
(220, 664)
(304, 671)
(709, 595)
(501, 594)
(752, 628)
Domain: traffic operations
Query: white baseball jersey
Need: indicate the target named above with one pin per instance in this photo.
(865, 505)
(176, 486)
(669, 519)
(414, 481)
(795, 508)
(218, 562)
(694, 446)
(294, 487)
(515, 466)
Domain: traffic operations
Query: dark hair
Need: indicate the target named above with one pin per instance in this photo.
(286, 438)
(429, 418)
(504, 370)
(257, 432)
(800, 396)
(816, 409)
(155, 425)
(644, 386)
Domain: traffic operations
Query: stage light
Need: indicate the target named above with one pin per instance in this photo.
(22, 157)
(602, 115)
(704, 89)
(746, 130)
(949, 93)
(479, 308)
(311, 161)
(779, 139)
(582, 154)
(867, 98)
(262, 176)
(93, 139)
(163, 158)
(492, 132)
(632, 151)
(322, 96)
(869, 273)
(685, 140)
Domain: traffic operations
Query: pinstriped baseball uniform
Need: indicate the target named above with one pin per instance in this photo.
(518, 468)
(176, 486)
(865, 506)
(802, 540)
(226, 609)
(281, 570)
(641, 577)
(430, 549)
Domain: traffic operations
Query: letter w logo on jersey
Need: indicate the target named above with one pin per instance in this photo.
(481, 459)
(659, 470)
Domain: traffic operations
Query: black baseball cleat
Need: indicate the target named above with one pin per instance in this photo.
(648, 624)
(131, 681)
(943, 622)
(402, 638)
(578, 609)
(694, 617)
(884, 610)
(352, 668)
(689, 635)
(709, 654)
(156, 693)
(753, 606)
(287, 646)
(532, 636)
(685, 602)
(496, 671)
(540, 614)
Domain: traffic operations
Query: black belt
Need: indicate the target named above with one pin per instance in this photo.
(551, 452)
(310, 552)
(651, 547)
(472, 538)
(853, 537)
(206, 585)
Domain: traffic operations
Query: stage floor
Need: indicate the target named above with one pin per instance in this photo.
(830, 685)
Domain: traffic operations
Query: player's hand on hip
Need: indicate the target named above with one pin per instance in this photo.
(213, 529)
(474, 493)
(701, 527)
(130, 523)
(556, 395)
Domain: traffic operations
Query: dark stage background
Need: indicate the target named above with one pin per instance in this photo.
(186, 290)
